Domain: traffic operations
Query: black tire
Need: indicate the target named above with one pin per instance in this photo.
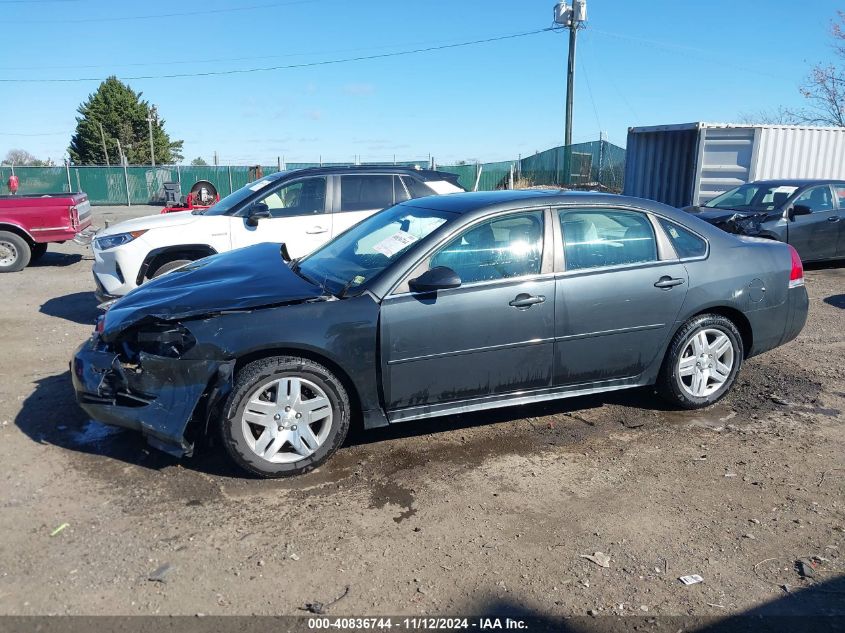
(261, 372)
(669, 383)
(166, 267)
(38, 249)
(14, 252)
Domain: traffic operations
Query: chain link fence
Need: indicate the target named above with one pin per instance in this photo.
(597, 165)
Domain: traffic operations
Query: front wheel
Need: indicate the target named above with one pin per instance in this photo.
(702, 362)
(285, 416)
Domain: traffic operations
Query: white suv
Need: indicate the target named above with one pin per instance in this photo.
(303, 208)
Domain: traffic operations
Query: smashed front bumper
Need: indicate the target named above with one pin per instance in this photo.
(157, 396)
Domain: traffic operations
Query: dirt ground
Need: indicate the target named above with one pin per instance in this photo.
(454, 516)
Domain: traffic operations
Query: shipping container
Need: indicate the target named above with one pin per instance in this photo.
(691, 163)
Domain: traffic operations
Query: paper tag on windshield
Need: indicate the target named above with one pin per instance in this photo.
(391, 245)
(259, 185)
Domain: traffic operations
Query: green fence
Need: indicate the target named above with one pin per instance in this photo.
(598, 165)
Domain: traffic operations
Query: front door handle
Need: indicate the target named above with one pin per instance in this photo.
(524, 301)
(316, 229)
(667, 282)
(833, 218)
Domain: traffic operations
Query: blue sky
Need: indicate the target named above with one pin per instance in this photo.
(639, 63)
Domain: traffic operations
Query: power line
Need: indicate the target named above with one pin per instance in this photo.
(328, 62)
(39, 134)
(171, 62)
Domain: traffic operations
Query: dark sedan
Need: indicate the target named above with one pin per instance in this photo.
(436, 307)
(808, 214)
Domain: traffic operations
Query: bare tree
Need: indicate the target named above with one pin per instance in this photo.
(824, 89)
(21, 157)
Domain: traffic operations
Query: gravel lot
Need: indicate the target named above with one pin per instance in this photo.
(459, 515)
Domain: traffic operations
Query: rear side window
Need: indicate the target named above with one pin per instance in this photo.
(368, 192)
(597, 238)
(416, 188)
(686, 243)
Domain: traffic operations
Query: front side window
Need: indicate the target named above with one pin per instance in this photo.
(816, 199)
(362, 192)
(303, 197)
(686, 243)
(510, 246)
(606, 237)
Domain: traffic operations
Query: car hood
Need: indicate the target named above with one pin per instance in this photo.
(243, 279)
(147, 222)
(709, 214)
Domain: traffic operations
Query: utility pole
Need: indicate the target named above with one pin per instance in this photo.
(215, 158)
(153, 116)
(105, 151)
(571, 18)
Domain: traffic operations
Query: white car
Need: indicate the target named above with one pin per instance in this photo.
(303, 208)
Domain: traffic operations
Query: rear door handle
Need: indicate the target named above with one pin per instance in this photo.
(833, 218)
(667, 282)
(316, 229)
(524, 301)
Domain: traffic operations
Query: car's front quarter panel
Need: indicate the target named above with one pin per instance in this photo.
(117, 268)
(343, 334)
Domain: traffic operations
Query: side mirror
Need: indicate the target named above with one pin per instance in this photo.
(799, 209)
(258, 211)
(438, 278)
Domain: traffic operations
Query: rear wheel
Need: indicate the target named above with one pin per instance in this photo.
(285, 416)
(38, 249)
(702, 362)
(166, 267)
(14, 252)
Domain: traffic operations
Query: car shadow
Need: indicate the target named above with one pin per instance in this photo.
(50, 415)
(56, 260)
(837, 301)
(79, 307)
(816, 607)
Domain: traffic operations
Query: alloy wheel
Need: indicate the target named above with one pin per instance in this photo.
(706, 362)
(287, 419)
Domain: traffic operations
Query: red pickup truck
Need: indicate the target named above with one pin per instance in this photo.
(28, 223)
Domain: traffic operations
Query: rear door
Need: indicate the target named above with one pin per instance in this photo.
(361, 195)
(815, 235)
(616, 300)
(298, 218)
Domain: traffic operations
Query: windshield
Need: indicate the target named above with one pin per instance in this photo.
(236, 197)
(753, 197)
(362, 252)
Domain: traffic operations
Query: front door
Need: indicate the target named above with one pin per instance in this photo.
(492, 335)
(616, 302)
(298, 218)
(815, 234)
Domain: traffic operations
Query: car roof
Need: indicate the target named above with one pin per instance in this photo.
(330, 170)
(463, 203)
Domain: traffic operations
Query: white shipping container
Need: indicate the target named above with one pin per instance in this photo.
(691, 163)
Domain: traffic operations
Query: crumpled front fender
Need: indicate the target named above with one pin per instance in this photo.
(157, 396)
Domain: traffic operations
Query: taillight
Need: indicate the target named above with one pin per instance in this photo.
(796, 275)
(101, 323)
(74, 216)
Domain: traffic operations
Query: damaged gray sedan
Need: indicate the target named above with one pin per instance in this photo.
(437, 307)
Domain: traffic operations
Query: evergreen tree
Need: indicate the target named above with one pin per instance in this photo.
(123, 115)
